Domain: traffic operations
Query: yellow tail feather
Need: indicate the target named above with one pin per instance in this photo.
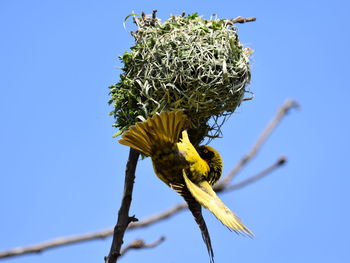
(155, 133)
(206, 196)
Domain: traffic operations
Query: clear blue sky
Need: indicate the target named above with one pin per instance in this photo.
(62, 172)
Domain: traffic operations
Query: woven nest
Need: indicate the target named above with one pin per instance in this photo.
(186, 63)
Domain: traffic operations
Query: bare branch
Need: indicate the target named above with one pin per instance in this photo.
(241, 20)
(222, 186)
(282, 112)
(280, 162)
(123, 215)
(142, 223)
(139, 244)
(37, 248)
(154, 14)
(61, 241)
(158, 217)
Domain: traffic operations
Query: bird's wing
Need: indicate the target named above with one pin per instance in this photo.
(196, 211)
(206, 196)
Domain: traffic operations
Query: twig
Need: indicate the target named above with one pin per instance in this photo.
(142, 223)
(123, 215)
(241, 20)
(61, 241)
(222, 186)
(37, 248)
(139, 244)
(280, 162)
(154, 14)
(158, 217)
(282, 111)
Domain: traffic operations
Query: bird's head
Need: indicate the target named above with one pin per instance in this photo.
(211, 156)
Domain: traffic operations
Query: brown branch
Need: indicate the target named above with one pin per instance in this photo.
(222, 186)
(158, 217)
(282, 112)
(280, 162)
(61, 241)
(37, 248)
(142, 223)
(154, 14)
(241, 20)
(123, 215)
(140, 244)
(179, 207)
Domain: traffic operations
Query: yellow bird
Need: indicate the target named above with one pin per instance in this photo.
(189, 171)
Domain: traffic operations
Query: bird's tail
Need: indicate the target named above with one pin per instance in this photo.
(206, 196)
(196, 211)
(160, 131)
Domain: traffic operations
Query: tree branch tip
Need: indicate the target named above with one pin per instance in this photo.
(140, 244)
(133, 219)
(241, 19)
(154, 14)
(155, 243)
(219, 187)
(290, 103)
(282, 161)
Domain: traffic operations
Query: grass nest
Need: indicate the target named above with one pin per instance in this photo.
(187, 63)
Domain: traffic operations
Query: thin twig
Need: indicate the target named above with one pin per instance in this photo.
(134, 225)
(222, 186)
(241, 20)
(61, 241)
(154, 14)
(280, 162)
(123, 215)
(140, 244)
(37, 248)
(158, 217)
(282, 112)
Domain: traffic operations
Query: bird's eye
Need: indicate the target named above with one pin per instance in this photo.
(205, 153)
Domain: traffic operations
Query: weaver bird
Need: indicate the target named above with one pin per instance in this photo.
(190, 171)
